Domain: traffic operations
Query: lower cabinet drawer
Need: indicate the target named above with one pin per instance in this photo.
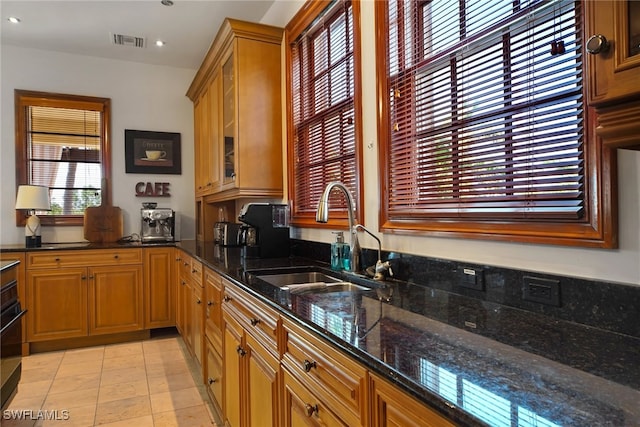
(336, 379)
(304, 408)
(83, 258)
(213, 375)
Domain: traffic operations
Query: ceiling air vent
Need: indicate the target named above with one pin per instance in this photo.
(124, 40)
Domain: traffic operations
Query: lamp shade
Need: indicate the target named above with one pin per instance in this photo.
(33, 197)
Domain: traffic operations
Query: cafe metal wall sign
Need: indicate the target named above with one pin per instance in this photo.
(153, 189)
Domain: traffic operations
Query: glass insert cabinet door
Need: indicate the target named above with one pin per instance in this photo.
(634, 27)
(229, 122)
(613, 47)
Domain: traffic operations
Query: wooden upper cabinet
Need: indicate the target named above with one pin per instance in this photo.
(612, 34)
(614, 72)
(238, 114)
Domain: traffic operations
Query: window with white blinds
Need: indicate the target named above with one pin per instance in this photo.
(322, 85)
(62, 146)
(484, 116)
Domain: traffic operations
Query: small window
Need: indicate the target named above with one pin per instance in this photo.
(484, 127)
(324, 124)
(62, 144)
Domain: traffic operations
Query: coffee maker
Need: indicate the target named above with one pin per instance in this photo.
(157, 225)
(265, 230)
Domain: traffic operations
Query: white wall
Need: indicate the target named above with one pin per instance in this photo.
(619, 265)
(143, 97)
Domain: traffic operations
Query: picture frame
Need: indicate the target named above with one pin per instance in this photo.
(152, 152)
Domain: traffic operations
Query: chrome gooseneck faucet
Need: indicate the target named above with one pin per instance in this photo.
(322, 215)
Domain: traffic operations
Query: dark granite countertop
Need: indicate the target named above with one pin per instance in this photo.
(81, 246)
(505, 367)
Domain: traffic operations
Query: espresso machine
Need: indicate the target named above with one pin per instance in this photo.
(157, 225)
(265, 230)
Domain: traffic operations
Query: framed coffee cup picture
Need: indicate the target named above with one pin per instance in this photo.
(152, 152)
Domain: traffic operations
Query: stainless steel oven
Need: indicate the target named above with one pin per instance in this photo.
(11, 329)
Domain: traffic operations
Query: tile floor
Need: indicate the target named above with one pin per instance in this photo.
(143, 383)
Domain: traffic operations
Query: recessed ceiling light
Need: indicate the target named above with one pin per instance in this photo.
(15, 20)
(160, 43)
(167, 2)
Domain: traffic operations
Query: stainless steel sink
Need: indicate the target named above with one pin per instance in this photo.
(298, 282)
(297, 278)
(321, 287)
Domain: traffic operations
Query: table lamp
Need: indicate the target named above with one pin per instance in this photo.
(33, 198)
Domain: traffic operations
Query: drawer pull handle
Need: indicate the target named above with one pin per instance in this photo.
(116, 256)
(57, 259)
(178, 259)
(211, 381)
(226, 298)
(307, 365)
(255, 321)
(310, 409)
(241, 351)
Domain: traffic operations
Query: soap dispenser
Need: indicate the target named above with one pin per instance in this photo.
(337, 251)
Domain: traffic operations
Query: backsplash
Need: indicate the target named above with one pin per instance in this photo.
(604, 305)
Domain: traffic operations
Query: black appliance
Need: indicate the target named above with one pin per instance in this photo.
(157, 225)
(265, 230)
(11, 333)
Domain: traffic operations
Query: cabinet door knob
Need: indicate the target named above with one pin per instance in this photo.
(83, 277)
(183, 283)
(209, 303)
(198, 302)
(91, 277)
(178, 259)
(597, 44)
(226, 298)
(255, 321)
(309, 409)
(57, 259)
(307, 365)
(241, 351)
(211, 381)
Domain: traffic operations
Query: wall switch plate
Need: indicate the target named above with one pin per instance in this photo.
(544, 291)
(471, 278)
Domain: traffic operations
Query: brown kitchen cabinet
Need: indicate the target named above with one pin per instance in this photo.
(212, 367)
(332, 379)
(243, 122)
(613, 74)
(302, 408)
(115, 299)
(159, 287)
(73, 294)
(57, 304)
(190, 307)
(251, 361)
(393, 407)
(206, 111)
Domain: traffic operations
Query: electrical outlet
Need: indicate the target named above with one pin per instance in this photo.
(544, 291)
(471, 278)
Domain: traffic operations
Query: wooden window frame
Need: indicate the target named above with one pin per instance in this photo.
(305, 17)
(26, 98)
(598, 227)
